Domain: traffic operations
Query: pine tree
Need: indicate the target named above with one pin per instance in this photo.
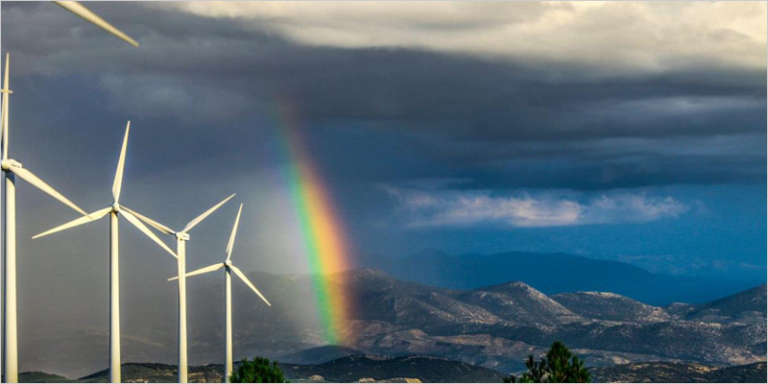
(558, 366)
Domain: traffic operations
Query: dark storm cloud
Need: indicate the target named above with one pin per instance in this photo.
(548, 124)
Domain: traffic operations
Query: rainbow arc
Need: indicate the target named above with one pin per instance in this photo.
(321, 230)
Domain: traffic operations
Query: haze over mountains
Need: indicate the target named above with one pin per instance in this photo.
(554, 273)
(495, 326)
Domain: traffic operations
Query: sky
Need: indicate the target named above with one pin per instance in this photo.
(628, 131)
(625, 131)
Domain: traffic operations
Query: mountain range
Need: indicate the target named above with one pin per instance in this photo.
(495, 326)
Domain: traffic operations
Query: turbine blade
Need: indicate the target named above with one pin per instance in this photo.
(205, 214)
(152, 223)
(6, 94)
(234, 232)
(78, 9)
(118, 184)
(242, 276)
(200, 271)
(143, 228)
(30, 177)
(74, 223)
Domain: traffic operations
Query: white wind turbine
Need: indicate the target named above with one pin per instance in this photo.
(13, 168)
(181, 251)
(114, 276)
(229, 268)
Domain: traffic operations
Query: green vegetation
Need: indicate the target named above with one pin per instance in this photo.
(559, 366)
(258, 370)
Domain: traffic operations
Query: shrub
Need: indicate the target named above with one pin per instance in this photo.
(258, 370)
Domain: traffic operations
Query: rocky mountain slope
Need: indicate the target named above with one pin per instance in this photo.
(611, 307)
(498, 326)
(747, 307)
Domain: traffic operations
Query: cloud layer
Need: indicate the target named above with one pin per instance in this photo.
(469, 208)
(617, 37)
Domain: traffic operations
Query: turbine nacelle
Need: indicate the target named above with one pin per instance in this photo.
(115, 207)
(7, 164)
(182, 236)
(228, 263)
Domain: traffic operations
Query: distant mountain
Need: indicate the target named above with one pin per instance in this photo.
(665, 372)
(745, 307)
(611, 307)
(554, 273)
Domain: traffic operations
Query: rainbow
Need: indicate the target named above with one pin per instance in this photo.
(321, 230)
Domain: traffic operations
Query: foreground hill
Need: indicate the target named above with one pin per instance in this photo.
(679, 373)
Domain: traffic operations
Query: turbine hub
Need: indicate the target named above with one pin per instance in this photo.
(228, 263)
(182, 236)
(8, 163)
(115, 207)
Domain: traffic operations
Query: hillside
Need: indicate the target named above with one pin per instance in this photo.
(611, 307)
(746, 307)
(665, 372)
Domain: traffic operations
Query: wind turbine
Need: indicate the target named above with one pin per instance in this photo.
(181, 238)
(78, 9)
(114, 276)
(13, 168)
(229, 268)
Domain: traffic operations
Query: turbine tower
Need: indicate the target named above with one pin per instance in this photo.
(181, 251)
(229, 268)
(78, 9)
(13, 168)
(114, 273)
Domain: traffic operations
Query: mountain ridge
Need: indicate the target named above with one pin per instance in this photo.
(554, 273)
